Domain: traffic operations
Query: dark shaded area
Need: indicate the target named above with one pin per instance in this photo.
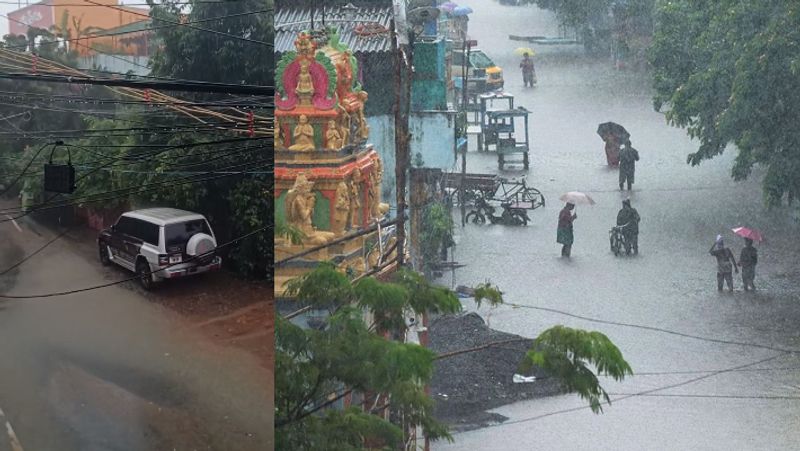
(466, 386)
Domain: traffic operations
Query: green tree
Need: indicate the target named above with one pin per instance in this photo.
(343, 354)
(728, 72)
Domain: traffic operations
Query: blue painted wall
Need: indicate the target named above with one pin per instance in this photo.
(432, 135)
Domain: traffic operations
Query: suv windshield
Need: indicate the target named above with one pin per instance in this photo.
(179, 234)
(480, 60)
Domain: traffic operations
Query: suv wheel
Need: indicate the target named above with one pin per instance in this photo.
(103, 252)
(145, 277)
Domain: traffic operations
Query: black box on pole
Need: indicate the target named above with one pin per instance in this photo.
(59, 178)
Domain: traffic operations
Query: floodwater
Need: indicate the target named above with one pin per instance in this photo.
(671, 285)
(109, 370)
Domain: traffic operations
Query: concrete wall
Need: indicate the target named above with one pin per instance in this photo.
(116, 63)
(432, 135)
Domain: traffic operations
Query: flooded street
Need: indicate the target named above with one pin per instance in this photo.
(110, 370)
(701, 393)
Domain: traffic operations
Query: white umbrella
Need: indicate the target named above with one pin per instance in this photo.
(577, 198)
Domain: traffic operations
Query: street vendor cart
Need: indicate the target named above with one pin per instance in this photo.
(493, 101)
(501, 132)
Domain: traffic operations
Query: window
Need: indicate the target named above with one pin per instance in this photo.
(179, 234)
(136, 228)
(148, 232)
(458, 58)
(124, 225)
(480, 60)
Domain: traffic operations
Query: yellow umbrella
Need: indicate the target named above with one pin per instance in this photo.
(523, 50)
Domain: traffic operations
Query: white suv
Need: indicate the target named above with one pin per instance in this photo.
(159, 244)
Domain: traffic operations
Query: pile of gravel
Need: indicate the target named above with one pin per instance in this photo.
(465, 386)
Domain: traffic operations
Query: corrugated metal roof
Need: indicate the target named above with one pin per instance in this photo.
(291, 21)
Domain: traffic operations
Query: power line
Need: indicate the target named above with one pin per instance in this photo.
(22, 174)
(202, 2)
(126, 192)
(642, 393)
(32, 254)
(105, 285)
(152, 154)
(144, 84)
(652, 328)
(176, 23)
(77, 40)
(228, 103)
(709, 396)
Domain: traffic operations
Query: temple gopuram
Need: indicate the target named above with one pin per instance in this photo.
(327, 177)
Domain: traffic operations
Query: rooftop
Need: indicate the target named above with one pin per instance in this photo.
(289, 22)
(163, 216)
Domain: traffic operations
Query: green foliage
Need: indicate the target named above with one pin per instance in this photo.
(728, 73)
(193, 54)
(566, 354)
(489, 293)
(436, 233)
(323, 59)
(311, 366)
(323, 287)
(315, 368)
(425, 297)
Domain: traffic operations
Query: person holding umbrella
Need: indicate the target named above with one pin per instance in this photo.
(725, 263)
(749, 256)
(528, 70)
(564, 234)
(613, 135)
(566, 217)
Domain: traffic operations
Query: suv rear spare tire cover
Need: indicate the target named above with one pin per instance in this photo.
(200, 244)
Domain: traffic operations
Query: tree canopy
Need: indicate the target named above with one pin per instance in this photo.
(729, 72)
(352, 351)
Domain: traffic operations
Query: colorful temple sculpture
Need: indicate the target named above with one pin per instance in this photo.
(327, 178)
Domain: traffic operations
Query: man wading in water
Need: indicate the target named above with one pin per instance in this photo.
(726, 263)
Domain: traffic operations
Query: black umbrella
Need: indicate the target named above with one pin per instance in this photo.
(612, 128)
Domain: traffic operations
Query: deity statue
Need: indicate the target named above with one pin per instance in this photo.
(305, 84)
(303, 135)
(363, 128)
(383, 208)
(344, 126)
(333, 137)
(374, 199)
(305, 45)
(299, 204)
(344, 76)
(355, 200)
(279, 145)
(341, 208)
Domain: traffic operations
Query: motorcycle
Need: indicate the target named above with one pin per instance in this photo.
(510, 216)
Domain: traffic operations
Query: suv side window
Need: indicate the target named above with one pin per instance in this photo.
(148, 232)
(124, 225)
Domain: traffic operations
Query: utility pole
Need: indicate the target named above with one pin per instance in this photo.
(464, 104)
(401, 137)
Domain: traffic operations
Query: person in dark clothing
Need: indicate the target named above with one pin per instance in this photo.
(528, 71)
(628, 157)
(564, 233)
(726, 263)
(747, 260)
(628, 215)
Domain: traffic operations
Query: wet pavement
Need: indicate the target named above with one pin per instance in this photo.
(671, 285)
(109, 370)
